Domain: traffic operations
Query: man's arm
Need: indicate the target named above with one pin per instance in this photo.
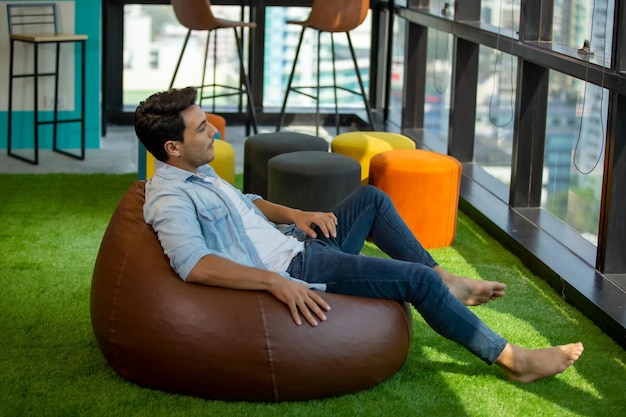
(220, 272)
(304, 220)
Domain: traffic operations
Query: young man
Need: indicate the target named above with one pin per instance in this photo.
(215, 235)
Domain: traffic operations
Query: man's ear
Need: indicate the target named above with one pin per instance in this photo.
(172, 148)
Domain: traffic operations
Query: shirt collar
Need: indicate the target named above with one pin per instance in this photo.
(173, 173)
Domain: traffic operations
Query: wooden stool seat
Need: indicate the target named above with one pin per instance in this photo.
(424, 187)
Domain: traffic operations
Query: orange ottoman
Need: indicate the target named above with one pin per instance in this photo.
(424, 187)
(219, 122)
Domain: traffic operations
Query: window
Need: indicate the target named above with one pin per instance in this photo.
(577, 22)
(438, 73)
(495, 108)
(281, 40)
(397, 71)
(574, 153)
(152, 32)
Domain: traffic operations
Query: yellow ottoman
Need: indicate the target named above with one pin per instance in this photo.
(424, 187)
(223, 164)
(362, 146)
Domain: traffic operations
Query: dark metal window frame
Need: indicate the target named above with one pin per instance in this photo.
(592, 278)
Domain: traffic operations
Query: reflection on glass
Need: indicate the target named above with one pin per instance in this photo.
(153, 40)
(281, 40)
(397, 71)
(438, 76)
(577, 21)
(502, 14)
(495, 108)
(574, 153)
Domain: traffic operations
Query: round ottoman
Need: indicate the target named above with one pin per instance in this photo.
(424, 187)
(362, 146)
(311, 180)
(260, 148)
(159, 332)
(224, 162)
(219, 122)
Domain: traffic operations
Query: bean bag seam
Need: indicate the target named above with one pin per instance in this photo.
(114, 301)
(268, 347)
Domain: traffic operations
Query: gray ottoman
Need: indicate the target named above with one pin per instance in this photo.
(258, 149)
(312, 180)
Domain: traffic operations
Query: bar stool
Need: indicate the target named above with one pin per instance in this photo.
(197, 15)
(333, 16)
(38, 16)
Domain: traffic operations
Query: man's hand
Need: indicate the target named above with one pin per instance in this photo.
(306, 220)
(300, 300)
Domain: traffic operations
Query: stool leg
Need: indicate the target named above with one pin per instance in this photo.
(202, 81)
(36, 103)
(82, 100)
(180, 58)
(10, 108)
(55, 113)
(332, 47)
(246, 81)
(358, 76)
(317, 91)
(293, 70)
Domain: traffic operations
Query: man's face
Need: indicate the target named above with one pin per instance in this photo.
(197, 148)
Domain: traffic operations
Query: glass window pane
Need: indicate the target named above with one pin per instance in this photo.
(438, 78)
(578, 21)
(397, 71)
(281, 40)
(574, 153)
(495, 110)
(501, 14)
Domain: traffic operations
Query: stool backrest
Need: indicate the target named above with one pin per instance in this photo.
(195, 14)
(32, 18)
(337, 15)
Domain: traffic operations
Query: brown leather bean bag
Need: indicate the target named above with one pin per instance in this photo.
(162, 333)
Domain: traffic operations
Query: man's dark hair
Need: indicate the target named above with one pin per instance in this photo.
(158, 119)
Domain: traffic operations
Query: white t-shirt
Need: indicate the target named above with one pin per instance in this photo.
(275, 249)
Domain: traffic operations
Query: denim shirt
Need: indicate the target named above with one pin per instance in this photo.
(192, 223)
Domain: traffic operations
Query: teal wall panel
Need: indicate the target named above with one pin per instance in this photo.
(88, 16)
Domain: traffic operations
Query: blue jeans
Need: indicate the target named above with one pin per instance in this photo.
(408, 277)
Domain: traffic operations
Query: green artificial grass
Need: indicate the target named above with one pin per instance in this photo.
(50, 364)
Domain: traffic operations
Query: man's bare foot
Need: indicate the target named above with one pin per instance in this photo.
(471, 292)
(527, 365)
